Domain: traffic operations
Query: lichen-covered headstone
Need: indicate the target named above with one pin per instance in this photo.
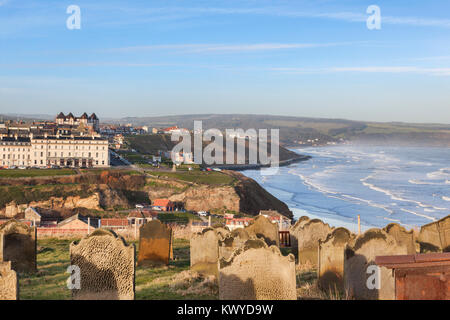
(107, 267)
(263, 228)
(18, 245)
(155, 243)
(233, 241)
(8, 282)
(204, 250)
(257, 272)
(308, 241)
(402, 236)
(363, 280)
(331, 259)
(435, 236)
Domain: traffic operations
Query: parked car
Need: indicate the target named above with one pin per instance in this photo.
(12, 167)
(217, 169)
(139, 206)
(203, 213)
(22, 167)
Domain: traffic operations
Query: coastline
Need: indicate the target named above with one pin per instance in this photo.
(243, 167)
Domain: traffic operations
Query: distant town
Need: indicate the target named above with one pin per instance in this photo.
(70, 142)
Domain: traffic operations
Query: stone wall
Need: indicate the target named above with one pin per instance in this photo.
(155, 243)
(308, 241)
(359, 255)
(263, 228)
(257, 272)
(18, 245)
(435, 236)
(107, 267)
(331, 259)
(9, 285)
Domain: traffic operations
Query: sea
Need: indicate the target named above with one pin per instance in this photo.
(406, 185)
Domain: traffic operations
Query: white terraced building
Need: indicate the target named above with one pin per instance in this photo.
(47, 150)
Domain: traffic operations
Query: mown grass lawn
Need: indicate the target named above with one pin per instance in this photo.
(152, 283)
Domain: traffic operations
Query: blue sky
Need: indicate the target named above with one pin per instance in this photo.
(301, 58)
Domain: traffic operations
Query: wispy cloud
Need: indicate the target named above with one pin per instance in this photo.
(436, 58)
(368, 69)
(197, 48)
(347, 16)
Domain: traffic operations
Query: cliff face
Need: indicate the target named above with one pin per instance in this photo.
(109, 192)
(245, 195)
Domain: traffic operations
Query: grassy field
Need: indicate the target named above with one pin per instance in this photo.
(17, 173)
(173, 282)
(200, 177)
(166, 282)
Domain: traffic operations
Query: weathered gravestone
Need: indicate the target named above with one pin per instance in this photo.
(363, 280)
(308, 241)
(263, 228)
(257, 272)
(293, 233)
(435, 236)
(402, 236)
(155, 243)
(204, 250)
(233, 241)
(18, 245)
(8, 282)
(331, 259)
(107, 267)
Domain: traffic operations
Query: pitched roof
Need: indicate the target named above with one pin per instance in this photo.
(143, 214)
(84, 116)
(72, 218)
(60, 116)
(161, 202)
(93, 117)
(170, 128)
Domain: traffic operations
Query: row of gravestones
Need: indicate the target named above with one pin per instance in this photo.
(343, 259)
(106, 263)
(247, 261)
